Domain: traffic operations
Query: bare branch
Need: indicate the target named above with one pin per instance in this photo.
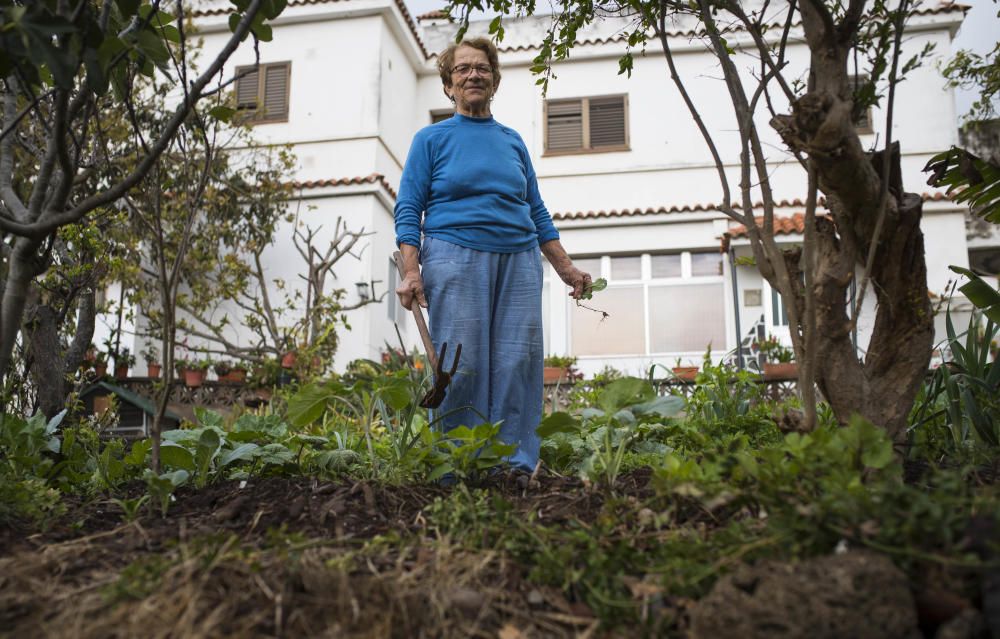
(661, 33)
(11, 201)
(10, 123)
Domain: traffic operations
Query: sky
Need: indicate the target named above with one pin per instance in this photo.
(979, 33)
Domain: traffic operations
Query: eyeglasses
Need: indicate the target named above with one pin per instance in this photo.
(465, 70)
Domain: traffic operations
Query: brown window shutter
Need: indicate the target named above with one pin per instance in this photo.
(246, 88)
(607, 121)
(564, 125)
(276, 92)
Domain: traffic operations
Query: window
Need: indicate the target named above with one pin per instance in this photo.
(778, 315)
(665, 265)
(707, 263)
(626, 268)
(442, 114)
(668, 303)
(586, 124)
(262, 92)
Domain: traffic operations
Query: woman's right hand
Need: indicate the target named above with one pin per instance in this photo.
(411, 288)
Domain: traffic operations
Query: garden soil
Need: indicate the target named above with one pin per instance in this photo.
(278, 558)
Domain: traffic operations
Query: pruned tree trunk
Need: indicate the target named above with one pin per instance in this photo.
(882, 386)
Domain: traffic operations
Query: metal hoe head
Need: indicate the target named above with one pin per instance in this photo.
(442, 378)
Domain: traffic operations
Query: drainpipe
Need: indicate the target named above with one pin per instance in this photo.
(736, 307)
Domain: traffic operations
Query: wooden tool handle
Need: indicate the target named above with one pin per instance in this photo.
(418, 315)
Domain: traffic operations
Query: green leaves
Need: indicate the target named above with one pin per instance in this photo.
(162, 487)
(309, 403)
(969, 179)
(625, 392)
(557, 422)
(597, 285)
(982, 295)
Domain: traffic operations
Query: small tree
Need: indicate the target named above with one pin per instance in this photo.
(276, 316)
(57, 63)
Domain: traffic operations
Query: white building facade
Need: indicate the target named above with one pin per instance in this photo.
(636, 206)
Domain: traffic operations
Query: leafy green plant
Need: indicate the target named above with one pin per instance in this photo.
(726, 403)
(558, 361)
(131, 507)
(467, 452)
(381, 397)
(610, 429)
(25, 443)
(161, 487)
(774, 351)
(962, 395)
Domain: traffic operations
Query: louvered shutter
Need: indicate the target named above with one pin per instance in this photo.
(276, 92)
(246, 89)
(564, 126)
(607, 122)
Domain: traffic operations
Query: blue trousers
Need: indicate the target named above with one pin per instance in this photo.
(491, 303)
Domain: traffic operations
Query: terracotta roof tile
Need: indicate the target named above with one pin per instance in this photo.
(440, 14)
(699, 208)
(294, 3)
(943, 7)
(783, 225)
(374, 178)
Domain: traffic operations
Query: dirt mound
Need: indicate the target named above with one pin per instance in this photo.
(856, 594)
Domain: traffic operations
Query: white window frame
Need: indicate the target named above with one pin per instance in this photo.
(646, 280)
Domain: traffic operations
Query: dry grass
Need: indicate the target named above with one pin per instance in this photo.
(110, 585)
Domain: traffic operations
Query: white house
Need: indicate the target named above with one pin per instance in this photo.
(621, 166)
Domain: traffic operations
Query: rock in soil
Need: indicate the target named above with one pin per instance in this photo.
(857, 594)
(968, 624)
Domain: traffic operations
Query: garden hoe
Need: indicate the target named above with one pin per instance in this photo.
(442, 378)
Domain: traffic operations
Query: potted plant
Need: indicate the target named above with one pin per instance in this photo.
(238, 374)
(683, 372)
(100, 364)
(222, 370)
(153, 366)
(230, 372)
(558, 369)
(191, 372)
(778, 359)
(123, 361)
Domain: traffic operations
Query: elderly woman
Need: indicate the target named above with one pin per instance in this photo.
(471, 181)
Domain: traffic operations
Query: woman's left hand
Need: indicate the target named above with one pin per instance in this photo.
(578, 280)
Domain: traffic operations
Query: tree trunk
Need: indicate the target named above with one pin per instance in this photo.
(22, 268)
(52, 366)
(883, 386)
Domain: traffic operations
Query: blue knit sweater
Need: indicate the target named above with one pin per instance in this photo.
(472, 180)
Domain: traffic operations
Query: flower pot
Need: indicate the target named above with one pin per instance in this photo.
(101, 369)
(685, 373)
(237, 375)
(153, 370)
(193, 377)
(553, 375)
(781, 370)
(288, 360)
(121, 372)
